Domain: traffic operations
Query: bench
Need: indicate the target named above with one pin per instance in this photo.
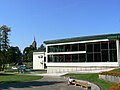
(83, 85)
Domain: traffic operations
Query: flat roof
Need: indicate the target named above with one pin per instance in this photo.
(85, 38)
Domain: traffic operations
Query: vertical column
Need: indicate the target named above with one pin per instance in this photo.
(46, 54)
(118, 51)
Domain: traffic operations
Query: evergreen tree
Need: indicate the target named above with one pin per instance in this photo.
(4, 37)
(4, 45)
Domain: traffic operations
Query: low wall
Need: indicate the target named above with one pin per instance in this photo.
(93, 86)
(66, 69)
(110, 78)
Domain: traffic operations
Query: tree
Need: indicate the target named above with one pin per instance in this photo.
(28, 53)
(4, 37)
(2, 61)
(0, 39)
(41, 48)
(14, 55)
(4, 45)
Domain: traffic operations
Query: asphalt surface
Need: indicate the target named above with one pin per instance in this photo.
(46, 83)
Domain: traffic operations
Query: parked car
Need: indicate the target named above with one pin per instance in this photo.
(21, 67)
(14, 68)
(24, 67)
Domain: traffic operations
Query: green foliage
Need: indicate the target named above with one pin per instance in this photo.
(113, 73)
(2, 61)
(4, 45)
(28, 54)
(14, 55)
(28, 63)
(117, 70)
(4, 30)
(41, 48)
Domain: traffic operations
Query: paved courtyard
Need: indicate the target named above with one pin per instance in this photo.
(46, 83)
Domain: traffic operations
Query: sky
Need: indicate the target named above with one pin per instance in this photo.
(58, 19)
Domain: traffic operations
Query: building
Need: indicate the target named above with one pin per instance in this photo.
(83, 53)
(38, 60)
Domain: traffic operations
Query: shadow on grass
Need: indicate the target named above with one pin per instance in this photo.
(5, 74)
(27, 84)
(3, 82)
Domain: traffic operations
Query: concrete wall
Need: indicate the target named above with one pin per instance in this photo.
(38, 60)
(77, 69)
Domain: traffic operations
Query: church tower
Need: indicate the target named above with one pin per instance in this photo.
(34, 43)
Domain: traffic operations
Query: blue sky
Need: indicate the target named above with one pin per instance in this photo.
(57, 19)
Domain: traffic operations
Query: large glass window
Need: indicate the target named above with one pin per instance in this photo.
(105, 57)
(97, 47)
(61, 48)
(74, 47)
(89, 47)
(82, 57)
(112, 44)
(75, 58)
(82, 47)
(113, 55)
(53, 58)
(68, 58)
(53, 49)
(104, 45)
(56, 58)
(105, 51)
(61, 58)
(50, 58)
(89, 57)
(67, 48)
(97, 57)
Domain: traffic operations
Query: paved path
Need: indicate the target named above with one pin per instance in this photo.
(46, 83)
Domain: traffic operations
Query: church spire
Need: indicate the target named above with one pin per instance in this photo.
(34, 39)
(34, 44)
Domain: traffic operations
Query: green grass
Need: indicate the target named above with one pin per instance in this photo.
(10, 71)
(92, 78)
(118, 70)
(12, 78)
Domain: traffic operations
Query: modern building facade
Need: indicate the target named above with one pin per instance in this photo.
(83, 53)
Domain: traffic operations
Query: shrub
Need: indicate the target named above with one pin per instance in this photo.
(115, 86)
(113, 73)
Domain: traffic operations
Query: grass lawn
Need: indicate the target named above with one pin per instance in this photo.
(92, 78)
(12, 78)
(118, 70)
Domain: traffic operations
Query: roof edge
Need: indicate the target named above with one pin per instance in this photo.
(85, 38)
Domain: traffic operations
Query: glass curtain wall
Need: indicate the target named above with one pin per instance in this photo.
(67, 48)
(95, 52)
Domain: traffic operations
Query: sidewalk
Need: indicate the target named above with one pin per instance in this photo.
(58, 76)
(49, 74)
(46, 83)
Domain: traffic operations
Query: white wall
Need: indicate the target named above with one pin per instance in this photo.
(118, 51)
(86, 64)
(38, 60)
